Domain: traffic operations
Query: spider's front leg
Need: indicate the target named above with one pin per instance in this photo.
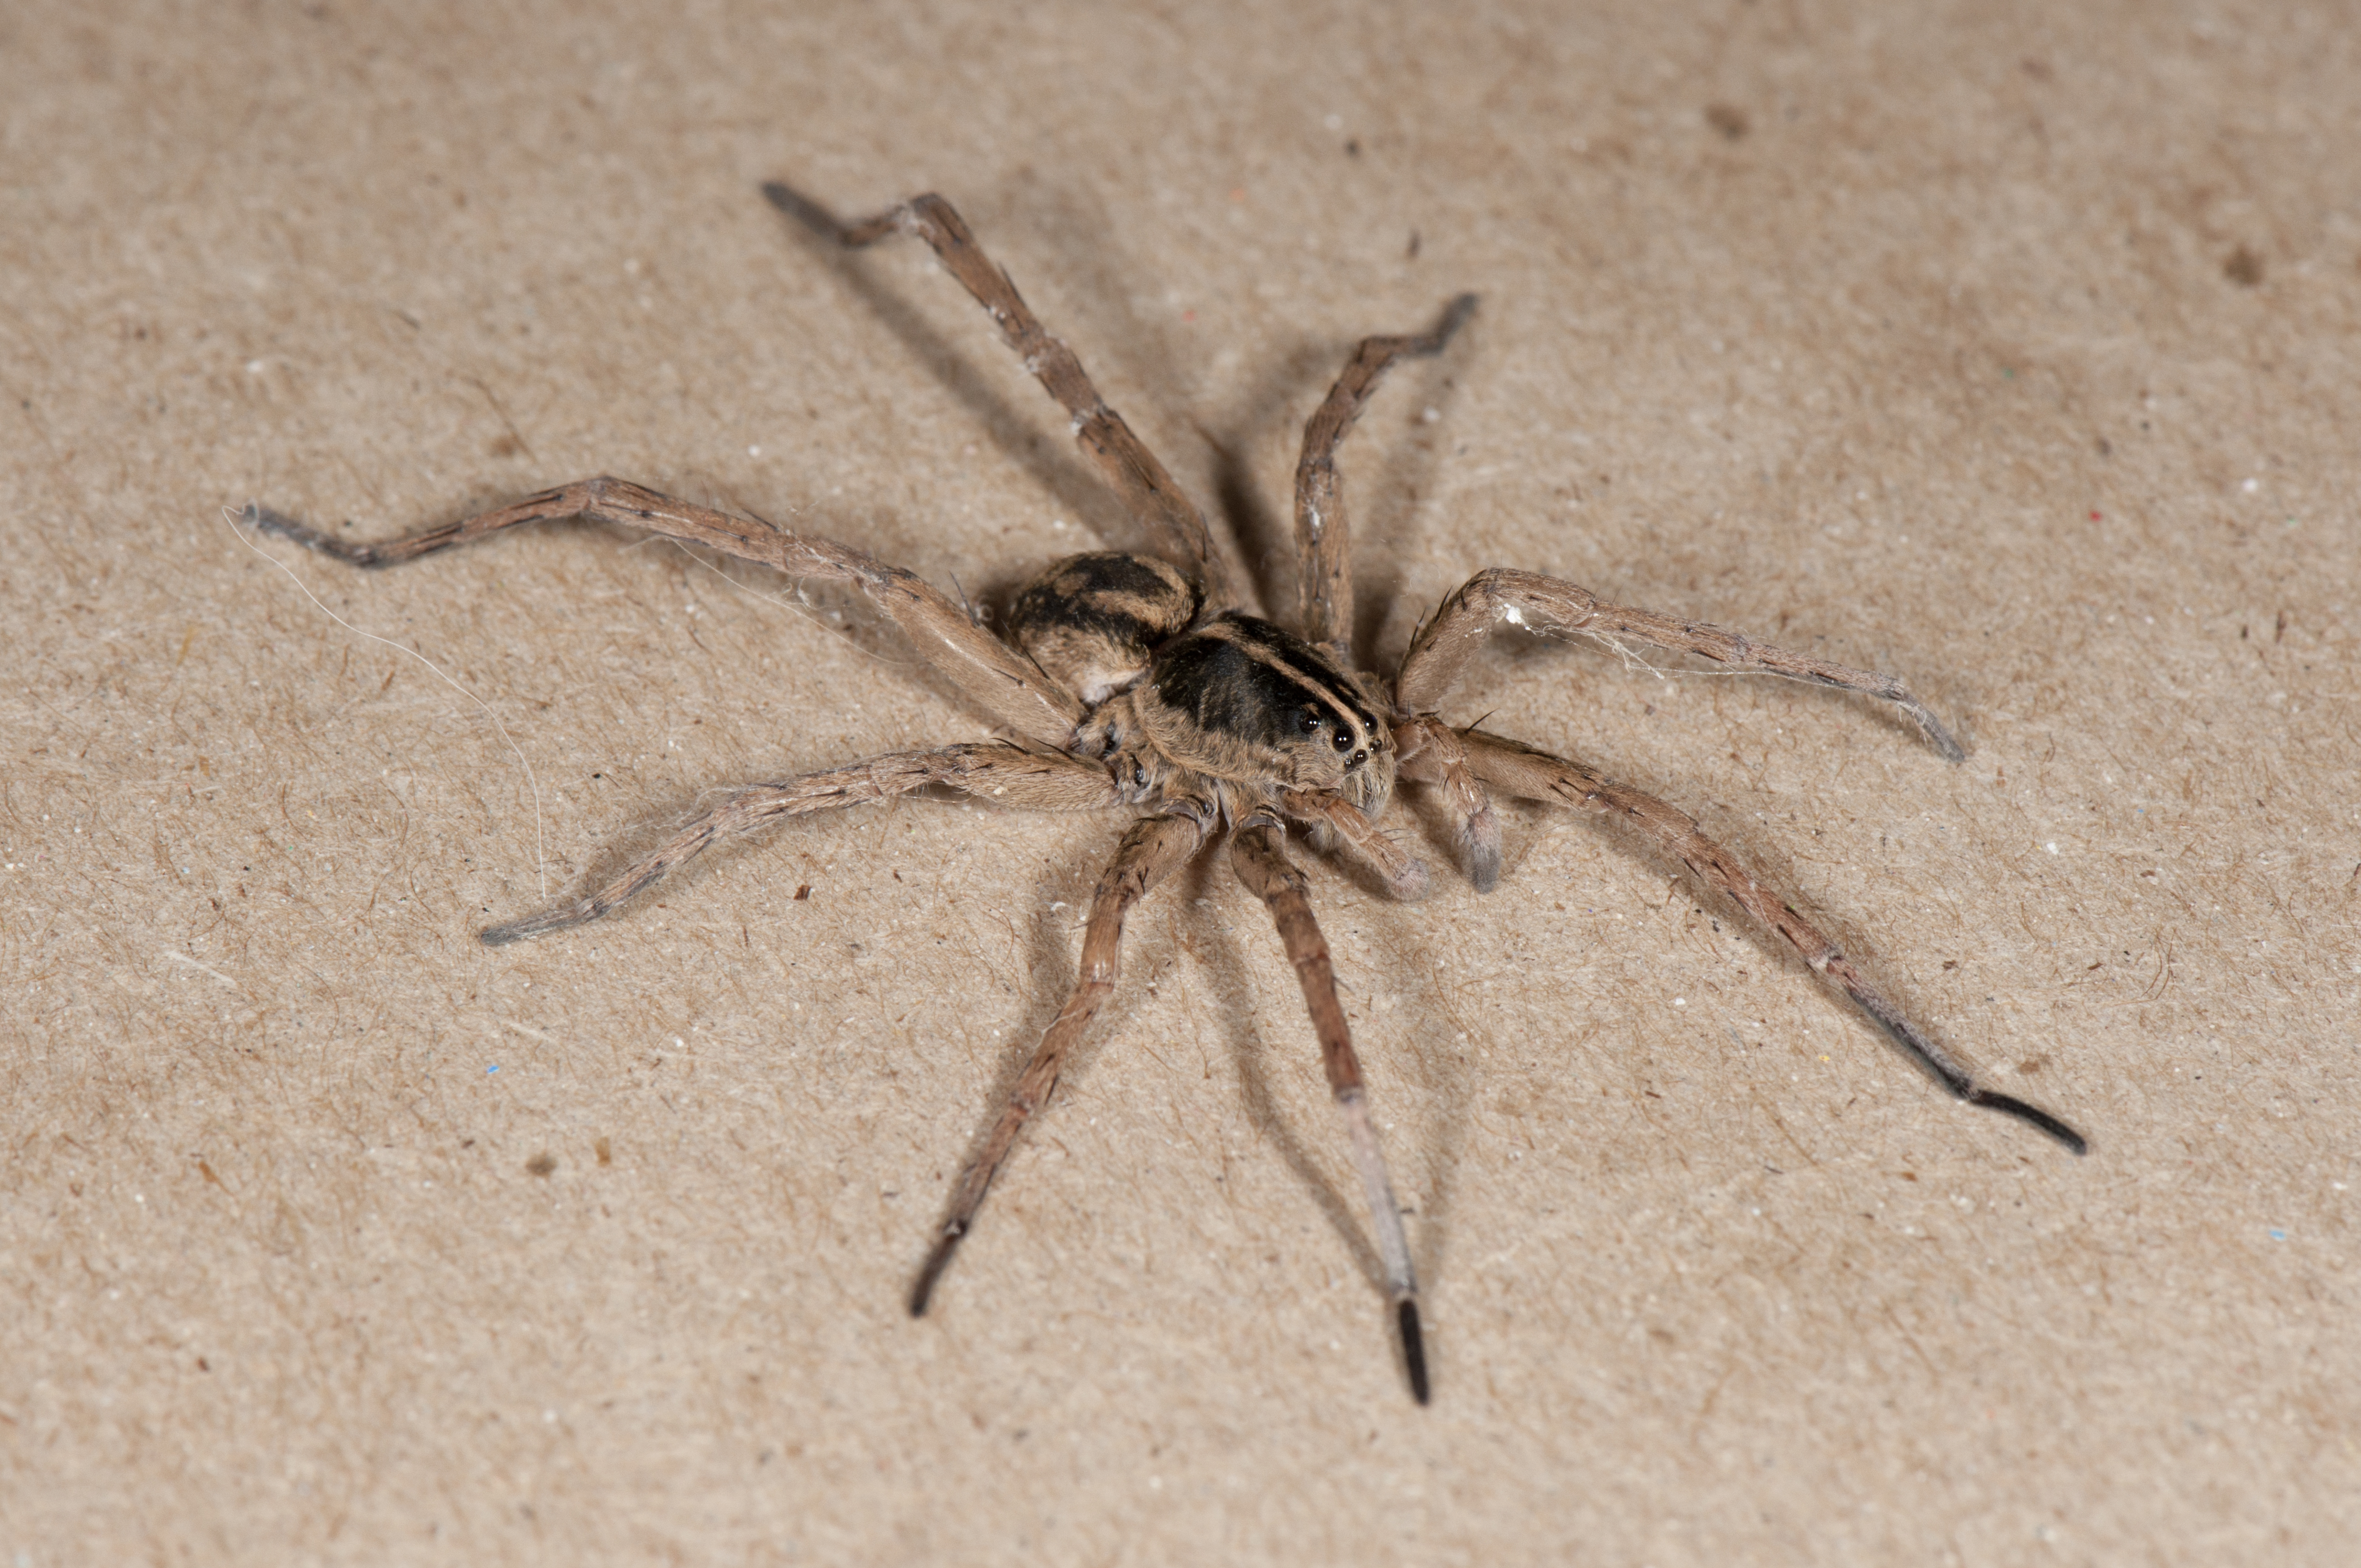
(1263, 866)
(1151, 851)
(1536, 775)
(1431, 753)
(1439, 652)
(1326, 810)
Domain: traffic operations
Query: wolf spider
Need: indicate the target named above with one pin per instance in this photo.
(1134, 681)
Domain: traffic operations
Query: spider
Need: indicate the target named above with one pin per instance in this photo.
(1137, 683)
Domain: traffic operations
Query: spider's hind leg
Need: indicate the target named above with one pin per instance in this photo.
(1537, 775)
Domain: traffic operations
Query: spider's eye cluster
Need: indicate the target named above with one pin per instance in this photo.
(1313, 721)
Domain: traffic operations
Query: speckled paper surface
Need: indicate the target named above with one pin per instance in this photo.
(2011, 349)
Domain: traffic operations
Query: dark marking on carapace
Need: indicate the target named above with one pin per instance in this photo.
(1247, 679)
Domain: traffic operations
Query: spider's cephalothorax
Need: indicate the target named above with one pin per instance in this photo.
(1243, 706)
(1137, 683)
(1242, 700)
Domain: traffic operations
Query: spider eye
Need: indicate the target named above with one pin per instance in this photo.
(1343, 742)
(1138, 776)
(1312, 721)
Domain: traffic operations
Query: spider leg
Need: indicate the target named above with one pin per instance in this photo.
(1440, 651)
(1323, 539)
(1001, 680)
(1405, 875)
(1150, 851)
(1262, 865)
(1431, 753)
(1522, 771)
(1031, 777)
(1121, 457)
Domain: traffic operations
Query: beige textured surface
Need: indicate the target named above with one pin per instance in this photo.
(1914, 341)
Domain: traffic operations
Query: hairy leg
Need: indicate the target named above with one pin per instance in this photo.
(1431, 753)
(1262, 865)
(1323, 539)
(1522, 771)
(1440, 652)
(1033, 778)
(998, 678)
(1405, 875)
(1119, 454)
(1155, 847)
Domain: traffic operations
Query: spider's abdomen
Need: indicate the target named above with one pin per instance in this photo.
(1093, 622)
(1240, 698)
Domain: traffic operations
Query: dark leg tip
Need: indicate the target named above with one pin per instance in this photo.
(1937, 736)
(1414, 1349)
(263, 519)
(518, 930)
(803, 209)
(1454, 316)
(932, 1270)
(2008, 1105)
(540, 925)
(1482, 845)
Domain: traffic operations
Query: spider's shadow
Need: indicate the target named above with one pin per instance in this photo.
(1263, 534)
